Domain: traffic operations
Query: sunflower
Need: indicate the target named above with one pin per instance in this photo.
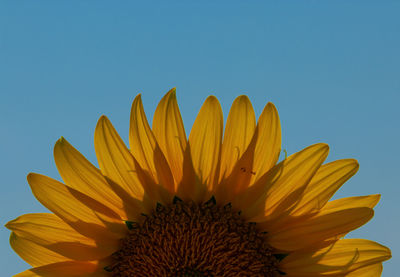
(209, 205)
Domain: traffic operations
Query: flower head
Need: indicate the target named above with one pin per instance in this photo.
(215, 204)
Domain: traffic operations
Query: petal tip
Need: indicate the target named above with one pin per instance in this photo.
(211, 98)
(9, 225)
(377, 198)
(30, 176)
(60, 143)
(170, 95)
(102, 120)
(242, 97)
(137, 104)
(322, 146)
(138, 98)
(212, 101)
(172, 91)
(354, 162)
(271, 106)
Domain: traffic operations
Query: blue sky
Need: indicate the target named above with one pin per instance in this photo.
(331, 68)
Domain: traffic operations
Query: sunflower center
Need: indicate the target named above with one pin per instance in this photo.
(189, 239)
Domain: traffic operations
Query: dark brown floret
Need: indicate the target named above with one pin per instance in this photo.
(189, 239)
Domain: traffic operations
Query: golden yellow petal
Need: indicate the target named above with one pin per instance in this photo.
(54, 234)
(145, 148)
(268, 143)
(81, 212)
(320, 227)
(132, 184)
(280, 188)
(240, 177)
(328, 179)
(66, 269)
(170, 133)
(342, 257)
(117, 164)
(33, 253)
(78, 173)
(369, 201)
(374, 270)
(239, 130)
(191, 188)
(205, 141)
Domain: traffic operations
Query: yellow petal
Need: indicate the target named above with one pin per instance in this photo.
(239, 130)
(261, 153)
(170, 133)
(355, 202)
(153, 192)
(123, 172)
(268, 143)
(145, 148)
(66, 269)
(322, 226)
(240, 177)
(79, 211)
(205, 141)
(280, 188)
(54, 234)
(374, 270)
(328, 179)
(331, 207)
(190, 188)
(342, 257)
(78, 173)
(369, 201)
(32, 253)
(117, 164)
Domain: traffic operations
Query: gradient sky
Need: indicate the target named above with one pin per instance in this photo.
(331, 68)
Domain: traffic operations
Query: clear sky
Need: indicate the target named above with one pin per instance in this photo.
(332, 69)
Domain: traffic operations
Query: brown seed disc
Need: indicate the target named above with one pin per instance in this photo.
(188, 239)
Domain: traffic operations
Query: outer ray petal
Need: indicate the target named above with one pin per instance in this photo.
(241, 175)
(117, 164)
(245, 170)
(78, 173)
(342, 257)
(66, 269)
(145, 148)
(332, 207)
(322, 226)
(84, 215)
(170, 133)
(239, 130)
(205, 141)
(374, 270)
(120, 167)
(54, 234)
(278, 190)
(33, 253)
(268, 143)
(328, 179)
(191, 188)
(369, 201)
